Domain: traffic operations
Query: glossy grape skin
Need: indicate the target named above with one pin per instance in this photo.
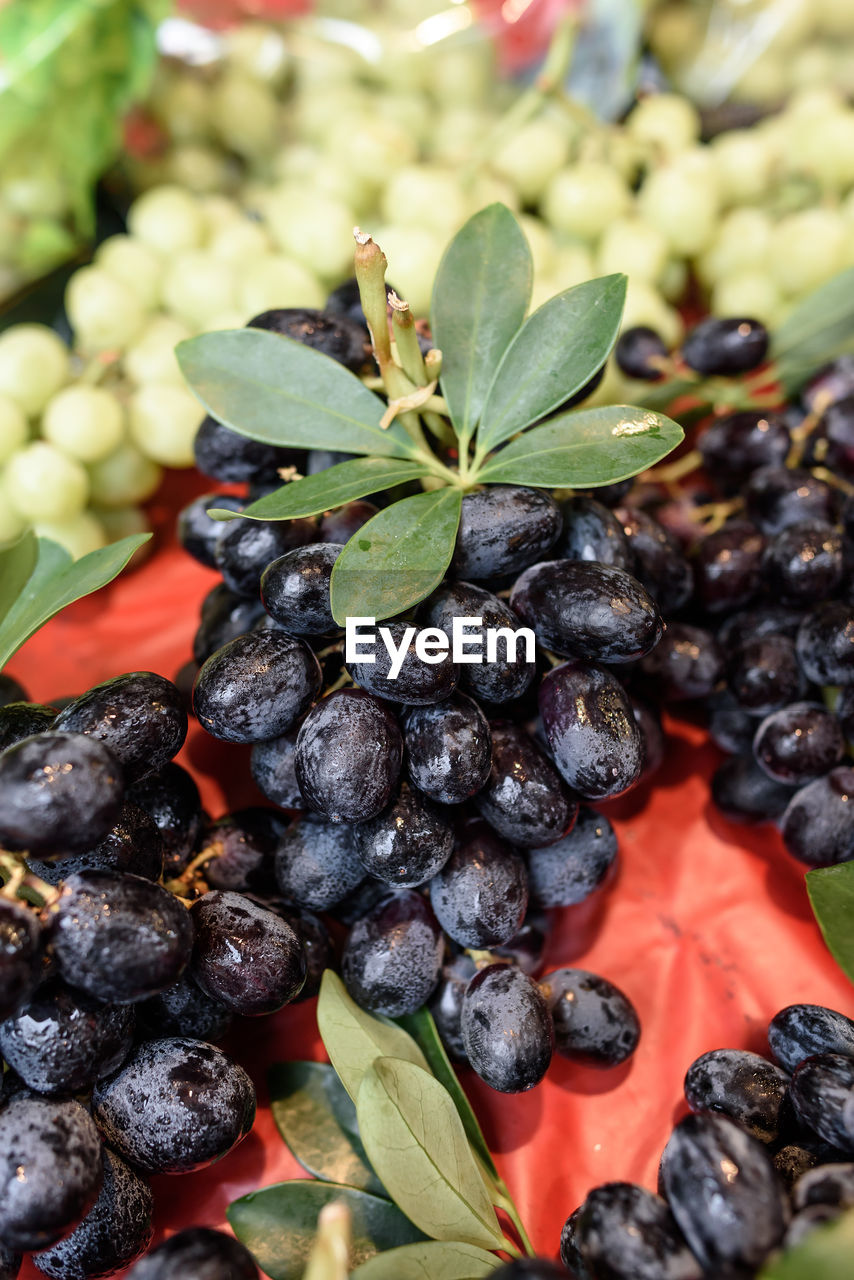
(723, 1193)
(568, 871)
(590, 728)
(799, 743)
(446, 1003)
(418, 683)
(348, 756)
(183, 1010)
(507, 1030)
(339, 337)
(638, 351)
(226, 455)
(176, 1105)
(725, 346)
(11, 690)
(63, 1041)
(581, 609)
(255, 687)
(21, 945)
(19, 720)
(818, 824)
(524, 798)
(224, 616)
(778, 496)
(592, 532)
(139, 717)
(730, 727)
(594, 1021)
(498, 681)
(199, 1252)
(316, 944)
(830, 1184)
(316, 863)
(686, 664)
(803, 1030)
(246, 547)
(448, 749)
(659, 563)
(117, 937)
(652, 733)
(246, 957)
(273, 767)
(391, 960)
(744, 793)
(115, 1232)
(803, 563)
(822, 1089)
(197, 533)
(503, 529)
(340, 525)
(481, 894)
(50, 1169)
(295, 588)
(134, 845)
(764, 675)
(624, 1232)
(239, 851)
(728, 567)
(825, 643)
(792, 1162)
(753, 624)
(172, 799)
(739, 443)
(407, 843)
(744, 1086)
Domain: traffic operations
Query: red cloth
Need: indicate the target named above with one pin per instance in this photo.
(707, 929)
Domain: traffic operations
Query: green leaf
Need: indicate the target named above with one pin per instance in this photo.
(585, 448)
(820, 328)
(416, 1143)
(423, 1030)
(317, 1120)
(57, 581)
(825, 1254)
(480, 298)
(397, 558)
(17, 561)
(354, 1038)
(271, 388)
(432, 1260)
(831, 892)
(278, 1224)
(553, 355)
(331, 488)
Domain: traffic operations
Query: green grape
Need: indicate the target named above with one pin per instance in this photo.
(85, 422)
(487, 189)
(12, 525)
(44, 484)
(665, 121)
(181, 104)
(245, 115)
(122, 522)
(14, 432)
(811, 67)
(124, 478)
(633, 246)
(834, 17)
(675, 35)
(79, 535)
(460, 73)
(317, 115)
(312, 229)
(411, 109)
(134, 264)
(34, 364)
(218, 212)
(793, 24)
(531, 157)
(239, 242)
(167, 219)
(259, 51)
(199, 168)
(814, 103)
(370, 149)
(681, 201)
(645, 305)
(747, 293)
(35, 192)
(233, 319)
(542, 244)
(583, 199)
(573, 265)
(105, 313)
(741, 243)
(197, 284)
(163, 423)
(673, 280)
(764, 82)
(271, 280)
(744, 161)
(415, 253)
(425, 196)
(151, 358)
(805, 250)
(456, 131)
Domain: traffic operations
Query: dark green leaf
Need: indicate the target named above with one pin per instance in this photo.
(416, 1143)
(56, 582)
(818, 330)
(397, 558)
(831, 891)
(17, 561)
(553, 355)
(331, 488)
(432, 1260)
(585, 448)
(422, 1028)
(278, 1224)
(353, 1038)
(317, 1120)
(825, 1254)
(480, 299)
(273, 389)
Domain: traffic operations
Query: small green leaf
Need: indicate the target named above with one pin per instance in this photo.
(328, 489)
(831, 892)
(557, 351)
(316, 1118)
(423, 1030)
(820, 328)
(271, 388)
(17, 561)
(416, 1143)
(825, 1254)
(585, 448)
(278, 1224)
(353, 1038)
(480, 298)
(397, 558)
(432, 1260)
(56, 582)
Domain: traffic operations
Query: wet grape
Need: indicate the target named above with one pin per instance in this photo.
(503, 529)
(256, 687)
(348, 756)
(591, 730)
(139, 717)
(244, 956)
(744, 1086)
(507, 1030)
(392, 957)
(593, 1020)
(407, 843)
(481, 894)
(568, 871)
(448, 749)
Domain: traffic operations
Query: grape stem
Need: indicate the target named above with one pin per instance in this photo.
(21, 884)
(672, 472)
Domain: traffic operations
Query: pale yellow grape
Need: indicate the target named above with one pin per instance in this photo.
(833, 17)
(805, 249)
(543, 246)
(747, 293)
(12, 525)
(531, 157)
(124, 522)
(35, 193)
(487, 189)
(812, 66)
(666, 121)
(86, 422)
(413, 254)
(369, 148)
(765, 81)
(631, 245)
(259, 51)
(168, 219)
(645, 305)
(126, 477)
(226, 320)
(317, 115)
(197, 285)
(822, 146)
(181, 102)
(412, 110)
(275, 281)
(78, 535)
(457, 131)
(43, 483)
(297, 164)
(583, 199)
(793, 23)
(151, 358)
(237, 243)
(105, 313)
(313, 229)
(744, 162)
(218, 212)
(680, 200)
(814, 103)
(34, 364)
(573, 265)
(135, 264)
(200, 168)
(675, 34)
(673, 280)
(425, 196)
(245, 115)
(741, 243)
(14, 432)
(163, 423)
(463, 73)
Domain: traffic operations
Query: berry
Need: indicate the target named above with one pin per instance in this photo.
(198, 534)
(340, 337)
(225, 455)
(831, 1184)
(392, 957)
(779, 496)
(245, 548)
(825, 643)
(687, 663)
(803, 1030)
(822, 1090)
(407, 844)
(348, 756)
(448, 749)
(446, 1003)
(592, 532)
(764, 675)
(246, 957)
(172, 799)
(418, 683)
(243, 844)
(339, 526)
(744, 1086)
(568, 871)
(134, 845)
(481, 894)
(11, 690)
(799, 743)
(506, 1028)
(590, 728)
(736, 445)
(803, 563)
(730, 727)
(199, 1252)
(183, 1010)
(255, 687)
(295, 589)
(659, 562)
(593, 1020)
(20, 956)
(744, 793)
(625, 1232)
(224, 617)
(504, 529)
(725, 347)
(729, 566)
(273, 766)
(316, 863)
(495, 681)
(316, 943)
(139, 717)
(19, 720)
(639, 353)
(818, 824)
(524, 798)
